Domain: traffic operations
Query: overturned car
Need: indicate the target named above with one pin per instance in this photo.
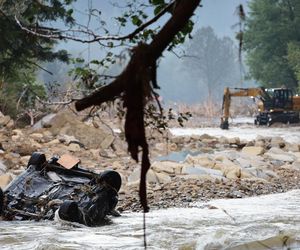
(60, 186)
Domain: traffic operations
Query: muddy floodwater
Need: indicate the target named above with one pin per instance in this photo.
(264, 222)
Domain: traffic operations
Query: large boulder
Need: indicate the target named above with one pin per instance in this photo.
(65, 123)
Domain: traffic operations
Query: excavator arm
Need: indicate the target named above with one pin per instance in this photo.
(238, 92)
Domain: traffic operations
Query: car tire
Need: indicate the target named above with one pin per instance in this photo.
(112, 178)
(37, 160)
(69, 211)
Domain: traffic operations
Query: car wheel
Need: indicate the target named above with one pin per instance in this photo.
(112, 178)
(37, 159)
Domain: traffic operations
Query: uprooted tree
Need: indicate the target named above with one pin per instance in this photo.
(137, 83)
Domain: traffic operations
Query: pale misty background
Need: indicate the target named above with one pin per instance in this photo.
(210, 60)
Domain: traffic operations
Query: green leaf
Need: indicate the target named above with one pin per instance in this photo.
(136, 20)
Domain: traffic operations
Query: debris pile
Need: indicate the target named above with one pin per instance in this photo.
(184, 169)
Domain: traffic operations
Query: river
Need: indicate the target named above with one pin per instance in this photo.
(264, 222)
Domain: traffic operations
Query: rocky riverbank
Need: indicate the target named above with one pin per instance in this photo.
(184, 169)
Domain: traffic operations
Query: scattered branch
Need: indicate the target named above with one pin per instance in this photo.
(51, 33)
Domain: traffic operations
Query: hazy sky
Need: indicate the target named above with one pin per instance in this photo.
(219, 14)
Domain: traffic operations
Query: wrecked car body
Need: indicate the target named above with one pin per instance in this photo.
(52, 187)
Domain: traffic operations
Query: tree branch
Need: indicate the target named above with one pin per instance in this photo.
(181, 15)
(51, 33)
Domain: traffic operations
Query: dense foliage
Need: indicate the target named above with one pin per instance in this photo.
(22, 53)
(271, 34)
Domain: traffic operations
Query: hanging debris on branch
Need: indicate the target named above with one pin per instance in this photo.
(136, 84)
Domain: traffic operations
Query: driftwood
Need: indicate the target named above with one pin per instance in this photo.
(135, 85)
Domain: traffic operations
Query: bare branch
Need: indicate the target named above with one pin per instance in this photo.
(56, 103)
(51, 33)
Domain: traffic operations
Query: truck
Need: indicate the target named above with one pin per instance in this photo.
(274, 105)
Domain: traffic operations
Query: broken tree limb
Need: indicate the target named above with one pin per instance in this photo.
(134, 84)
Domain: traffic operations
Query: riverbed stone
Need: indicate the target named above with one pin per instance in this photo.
(201, 160)
(232, 172)
(291, 147)
(198, 170)
(252, 150)
(280, 157)
(37, 136)
(136, 175)
(234, 140)
(4, 120)
(167, 167)
(3, 167)
(107, 142)
(74, 147)
(69, 124)
(5, 179)
(163, 178)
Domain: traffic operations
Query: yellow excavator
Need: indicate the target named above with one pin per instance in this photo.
(275, 105)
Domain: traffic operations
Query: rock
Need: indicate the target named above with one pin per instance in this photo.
(167, 167)
(3, 167)
(250, 144)
(232, 172)
(296, 165)
(5, 179)
(276, 150)
(259, 144)
(26, 148)
(223, 140)
(108, 140)
(277, 142)
(24, 160)
(10, 124)
(209, 140)
(203, 161)
(160, 146)
(235, 140)
(251, 162)
(136, 174)
(68, 124)
(44, 122)
(66, 139)
(252, 150)
(198, 177)
(18, 132)
(245, 174)
(74, 147)
(206, 136)
(291, 147)
(4, 120)
(163, 178)
(172, 147)
(280, 157)
(16, 138)
(37, 136)
(198, 170)
(53, 142)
